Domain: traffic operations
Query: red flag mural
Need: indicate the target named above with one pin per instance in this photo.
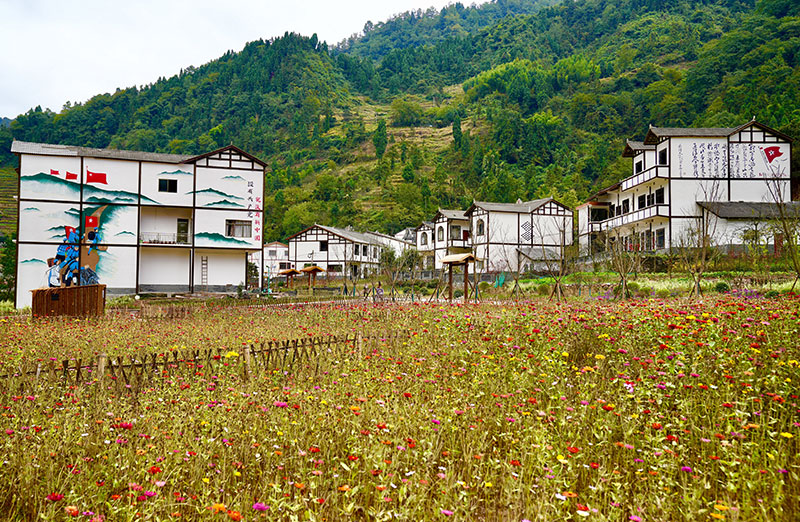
(71, 176)
(68, 231)
(54, 172)
(772, 153)
(92, 221)
(96, 177)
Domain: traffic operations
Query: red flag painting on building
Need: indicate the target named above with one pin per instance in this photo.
(54, 172)
(71, 176)
(92, 221)
(96, 177)
(772, 152)
(68, 231)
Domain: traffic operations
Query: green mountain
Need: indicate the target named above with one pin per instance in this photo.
(513, 106)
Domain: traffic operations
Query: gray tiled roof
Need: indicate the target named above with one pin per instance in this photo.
(751, 209)
(681, 132)
(352, 235)
(452, 214)
(24, 147)
(524, 207)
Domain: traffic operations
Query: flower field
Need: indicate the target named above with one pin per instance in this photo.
(631, 410)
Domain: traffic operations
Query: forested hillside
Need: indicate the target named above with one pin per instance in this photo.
(382, 131)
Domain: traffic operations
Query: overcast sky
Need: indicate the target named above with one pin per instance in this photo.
(54, 51)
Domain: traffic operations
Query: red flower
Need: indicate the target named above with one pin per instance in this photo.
(407, 395)
(515, 463)
(352, 458)
(54, 497)
(153, 470)
(594, 465)
(573, 449)
(314, 449)
(656, 426)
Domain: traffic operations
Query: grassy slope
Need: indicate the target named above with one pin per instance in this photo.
(8, 205)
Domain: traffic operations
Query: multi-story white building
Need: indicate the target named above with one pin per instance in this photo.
(681, 173)
(451, 235)
(341, 252)
(276, 259)
(397, 245)
(511, 236)
(135, 221)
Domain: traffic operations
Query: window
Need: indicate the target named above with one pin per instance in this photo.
(440, 234)
(662, 157)
(323, 246)
(238, 228)
(168, 185)
(375, 252)
(284, 266)
(650, 199)
(660, 196)
(660, 238)
(626, 206)
(356, 250)
(479, 227)
(273, 253)
(455, 232)
(639, 167)
(423, 238)
(337, 269)
(642, 201)
(611, 210)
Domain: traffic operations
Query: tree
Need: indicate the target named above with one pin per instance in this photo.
(457, 132)
(8, 268)
(786, 227)
(379, 138)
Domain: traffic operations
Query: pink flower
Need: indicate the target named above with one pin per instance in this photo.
(446, 512)
(258, 506)
(435, 421)
(279, 404)
(687, 469)
(55, 497)
(635, 518)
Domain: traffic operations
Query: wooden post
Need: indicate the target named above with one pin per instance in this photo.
(450, 282)
(247, 362)
(101, 366)
(466, 282)
(360, 342)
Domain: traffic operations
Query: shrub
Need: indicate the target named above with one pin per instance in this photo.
(543, 289)
(772, 294)
(662, 293)
(633, 288)
(722, 287)
(7, 307)
(120, 302)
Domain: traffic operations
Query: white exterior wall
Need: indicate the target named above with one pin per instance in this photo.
(226, 269)
(210, 229)
(162, 269)
(182, 174)
(160, 224)
(272, 263)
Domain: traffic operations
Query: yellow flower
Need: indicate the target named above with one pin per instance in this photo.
(231, 354)
(787, 435)
(216, 508)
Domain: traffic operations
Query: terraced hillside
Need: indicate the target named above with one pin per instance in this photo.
(8, 203)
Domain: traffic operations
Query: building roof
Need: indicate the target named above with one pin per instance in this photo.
(751, 209)
(523, 207)
(427, 224)
(47, 149)
(450, 214)
(457, 259)
(541, 253)
(656, 133)
(634, 147)
(276, 244)
(388, 237)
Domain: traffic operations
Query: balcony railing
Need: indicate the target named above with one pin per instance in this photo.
(459, 243)
(656, 171)
(165, 238)
(630, 217)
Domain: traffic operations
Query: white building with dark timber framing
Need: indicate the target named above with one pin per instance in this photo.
(340, 251)
(686, 179)
(136, 222)
(512, 237)
(425, 242)
(451, 235)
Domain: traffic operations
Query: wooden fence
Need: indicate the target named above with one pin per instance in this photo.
(273, 355)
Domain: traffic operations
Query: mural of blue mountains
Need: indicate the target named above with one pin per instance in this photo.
(219, 238)
(215, 192)
(91, 192)
(178, 172)
(223, 203)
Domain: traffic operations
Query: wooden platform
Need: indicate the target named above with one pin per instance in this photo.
(78, 301)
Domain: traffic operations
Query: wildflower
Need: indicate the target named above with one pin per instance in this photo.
(514, 462)
(352, 458)
(55, 497)
(153, 470)
(235, 516)
(258, 506)
(72, 511)
(687, 469)
(446, 512)
(217, 508)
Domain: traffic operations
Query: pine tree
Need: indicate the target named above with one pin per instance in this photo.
(379, 138)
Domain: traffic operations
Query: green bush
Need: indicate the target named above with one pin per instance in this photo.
(457, 294)
(722, 287)
(484, 286)
(633, 288)
(121, 301)
(543, 289)
(7, 307)
(662, 293)
(772, 294)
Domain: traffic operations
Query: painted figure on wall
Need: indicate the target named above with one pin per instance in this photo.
(76, 261)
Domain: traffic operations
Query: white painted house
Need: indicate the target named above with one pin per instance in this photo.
(680, 173)
(397, 245)
(509, 237)
(136, 221)
(424, 242)
(341, 252)
(451, 235)
(276, 258)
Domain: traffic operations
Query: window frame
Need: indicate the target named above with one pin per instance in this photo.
(168, 186)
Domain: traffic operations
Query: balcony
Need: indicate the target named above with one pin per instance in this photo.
(459, 243)
(657, 171)
(165, 238)
(630, 217)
